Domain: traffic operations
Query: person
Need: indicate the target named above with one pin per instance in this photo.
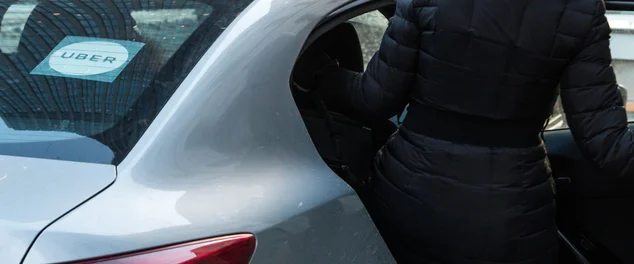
(466, 178)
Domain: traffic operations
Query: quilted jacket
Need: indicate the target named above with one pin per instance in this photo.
(466, 178)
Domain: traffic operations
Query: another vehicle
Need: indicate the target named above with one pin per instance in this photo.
(147, 131)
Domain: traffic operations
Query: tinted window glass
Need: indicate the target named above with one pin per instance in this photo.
(81, 80)
(370, 28)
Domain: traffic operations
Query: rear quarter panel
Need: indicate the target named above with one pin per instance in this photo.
(229, 153)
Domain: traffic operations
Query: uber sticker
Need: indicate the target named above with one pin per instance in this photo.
(88, 58)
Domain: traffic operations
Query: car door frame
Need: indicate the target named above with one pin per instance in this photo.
(343, 14)
(562, 138)
(619, 5)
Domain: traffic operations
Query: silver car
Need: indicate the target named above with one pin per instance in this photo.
(168, 131)
(153, 131)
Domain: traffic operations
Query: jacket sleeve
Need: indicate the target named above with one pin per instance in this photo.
(593, 105)
(384, 88)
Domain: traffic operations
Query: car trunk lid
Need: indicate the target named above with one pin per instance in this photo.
(36, 192)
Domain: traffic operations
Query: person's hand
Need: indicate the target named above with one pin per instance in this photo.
(308, 68)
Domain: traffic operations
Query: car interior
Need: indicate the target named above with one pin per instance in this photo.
(346, 145)
(593, 217)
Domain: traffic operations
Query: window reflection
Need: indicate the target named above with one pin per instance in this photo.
(13, 23)
(175, 33)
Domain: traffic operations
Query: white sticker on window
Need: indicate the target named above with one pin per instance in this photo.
(87, 58)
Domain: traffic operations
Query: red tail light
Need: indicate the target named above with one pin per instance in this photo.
(233, 249)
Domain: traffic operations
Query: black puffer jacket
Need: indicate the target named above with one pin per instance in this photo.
(466, 179)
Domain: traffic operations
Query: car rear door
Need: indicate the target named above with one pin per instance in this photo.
(595, 213)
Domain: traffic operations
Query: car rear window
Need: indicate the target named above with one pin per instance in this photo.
(81, 80)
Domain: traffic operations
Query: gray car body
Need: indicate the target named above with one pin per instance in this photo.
(228, 153)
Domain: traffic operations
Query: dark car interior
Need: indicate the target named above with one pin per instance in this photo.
(593, 209)
(348, 146)
(595, 222)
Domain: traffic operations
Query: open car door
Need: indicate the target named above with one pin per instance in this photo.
(595, 211)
